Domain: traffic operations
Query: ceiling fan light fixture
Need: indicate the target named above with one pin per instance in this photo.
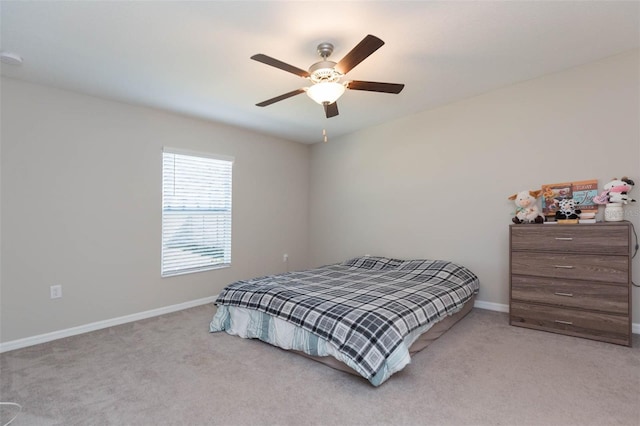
(326, 75)
(325, 92)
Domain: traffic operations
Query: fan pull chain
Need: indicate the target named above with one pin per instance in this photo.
(324, 135)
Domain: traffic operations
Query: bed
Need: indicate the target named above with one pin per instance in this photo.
(366, 315)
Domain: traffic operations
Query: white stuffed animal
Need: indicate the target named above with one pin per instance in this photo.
(527, 210)
(616, 191)
(619, 190)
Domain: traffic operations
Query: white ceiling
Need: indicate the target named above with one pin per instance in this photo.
(193, 57)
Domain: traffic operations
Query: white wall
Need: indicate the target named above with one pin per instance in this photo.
(435, 185)
(81, 207)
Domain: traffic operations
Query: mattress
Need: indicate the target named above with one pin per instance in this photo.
(424, 340)
(366, 312)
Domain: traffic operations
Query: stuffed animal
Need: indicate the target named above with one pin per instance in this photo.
(567, 209)
(616, 191)
(527, 210)
(619, 190)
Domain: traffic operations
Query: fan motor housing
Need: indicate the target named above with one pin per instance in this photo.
(324, 71)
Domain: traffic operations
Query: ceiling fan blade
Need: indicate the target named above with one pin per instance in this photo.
(366, 47)
(280, 98)
(279, 64)
(331, 110)
(373, 86)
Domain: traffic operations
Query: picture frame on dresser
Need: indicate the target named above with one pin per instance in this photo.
(573, 280)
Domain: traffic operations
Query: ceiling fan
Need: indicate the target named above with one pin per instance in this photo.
(325, 75)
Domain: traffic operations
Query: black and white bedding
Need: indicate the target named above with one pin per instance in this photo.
(366, 308)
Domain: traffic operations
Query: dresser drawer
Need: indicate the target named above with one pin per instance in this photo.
(596, 238)
(574, 294)
(609, 269)
(594, 325)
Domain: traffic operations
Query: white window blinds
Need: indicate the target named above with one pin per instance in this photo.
(196, 212)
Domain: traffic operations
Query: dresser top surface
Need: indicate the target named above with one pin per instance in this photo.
(573, 225)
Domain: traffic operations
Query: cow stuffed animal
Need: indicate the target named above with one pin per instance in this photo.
(616, 191)
(567, 209)
(527, 210)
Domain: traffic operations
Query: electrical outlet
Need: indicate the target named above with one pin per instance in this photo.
(285, 258)
(56, 291)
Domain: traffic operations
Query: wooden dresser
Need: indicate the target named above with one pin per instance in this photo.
(572, 279)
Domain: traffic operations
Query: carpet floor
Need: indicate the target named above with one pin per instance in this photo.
(170, 370)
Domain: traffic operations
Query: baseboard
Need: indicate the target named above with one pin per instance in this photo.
(490, 306)
(43, 338)
(500, 307)
(55, 335)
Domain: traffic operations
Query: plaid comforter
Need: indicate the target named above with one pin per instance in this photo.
(365, 306)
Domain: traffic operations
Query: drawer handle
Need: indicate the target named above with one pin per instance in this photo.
(563, 294)
(564, 322)
(564, 238)
(563, 266)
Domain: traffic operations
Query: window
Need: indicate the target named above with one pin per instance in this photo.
(196, 212)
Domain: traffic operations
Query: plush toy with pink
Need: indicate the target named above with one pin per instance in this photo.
(527, 210)
(616, 191)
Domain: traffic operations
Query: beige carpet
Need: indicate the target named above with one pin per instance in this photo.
(170, 370)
